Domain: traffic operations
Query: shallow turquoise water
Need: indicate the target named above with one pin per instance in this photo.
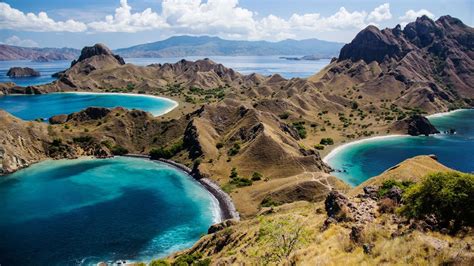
(369, 158)
(88, 210)
(31, 107)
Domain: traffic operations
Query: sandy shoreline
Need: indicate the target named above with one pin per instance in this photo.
(225, 204)
(173, 102)
(343, 146)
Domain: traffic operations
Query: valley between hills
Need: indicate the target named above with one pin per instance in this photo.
(262, 139)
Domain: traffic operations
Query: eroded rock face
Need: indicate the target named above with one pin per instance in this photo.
(22, 72)
(220, 226)
(97, 49)
(91, 113)
(338, 206)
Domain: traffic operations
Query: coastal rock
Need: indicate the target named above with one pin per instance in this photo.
(97, 49)
(58, 119)
(415, 125)
(21, 72)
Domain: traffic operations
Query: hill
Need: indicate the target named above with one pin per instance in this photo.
(9, 52)
(179, 46)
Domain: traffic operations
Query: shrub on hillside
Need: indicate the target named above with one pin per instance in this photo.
(447, 196)
(326, 141)
(166, 153)
(118, 150)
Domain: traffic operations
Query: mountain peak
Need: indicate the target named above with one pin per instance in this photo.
(97, 49)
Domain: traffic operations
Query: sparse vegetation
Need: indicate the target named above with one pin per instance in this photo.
(326, 141)
(256, 176)
(166, 153)
(119, 150)
(234, 150)
(300, 128)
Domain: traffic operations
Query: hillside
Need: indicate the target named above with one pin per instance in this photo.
(9, 52)
(360, 229)
(179, 46)
(428, 65)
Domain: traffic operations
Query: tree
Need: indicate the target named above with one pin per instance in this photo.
(447, 196)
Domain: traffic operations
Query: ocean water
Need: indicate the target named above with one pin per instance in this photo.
(265, 65)
(46, 69)
(71, 212)
(364, 159)
(30, 107)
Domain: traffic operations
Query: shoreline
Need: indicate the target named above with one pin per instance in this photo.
(174, 103)
(343, 146)
(226, 205)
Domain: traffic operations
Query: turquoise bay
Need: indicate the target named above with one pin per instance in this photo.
(30, 107)
(82, 211)
(361, 160)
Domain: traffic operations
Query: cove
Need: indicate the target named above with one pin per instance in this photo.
(367, 158)
(30, 107)
(83, 211)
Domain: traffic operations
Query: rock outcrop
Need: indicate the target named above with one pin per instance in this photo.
(415, 125)
(22, 72)
(97, 49)
(428, 65)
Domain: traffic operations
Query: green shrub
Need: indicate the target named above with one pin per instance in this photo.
(256, 176)
(82, 139)
(219, 145)
(300, 128)
(389, 184)
(233, 173)
(319, 147)
(326, 141)
(268, 202)
(447, 196)
(166, 153)
(241, 182)
(234, 150)
(119, 150)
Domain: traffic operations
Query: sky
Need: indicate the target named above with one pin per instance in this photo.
(123, 23)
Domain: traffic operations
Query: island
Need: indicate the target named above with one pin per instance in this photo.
(22, 72)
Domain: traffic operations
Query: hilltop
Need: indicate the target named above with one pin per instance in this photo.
(9, 52)
(179, 46)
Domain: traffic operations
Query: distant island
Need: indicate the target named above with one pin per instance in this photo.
(306, 57)
(179, 46)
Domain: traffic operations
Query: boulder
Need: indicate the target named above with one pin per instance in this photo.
(338, 206)
(58, 119)
(21, 72)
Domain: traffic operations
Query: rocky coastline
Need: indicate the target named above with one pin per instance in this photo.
(226, 206)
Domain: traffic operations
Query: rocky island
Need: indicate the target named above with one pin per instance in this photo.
(22, 72)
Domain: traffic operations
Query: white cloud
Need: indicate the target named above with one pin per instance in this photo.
(17, 41)
(224, 18)
(380, 13)
(411, 15)
(14, 19)
(125, 21)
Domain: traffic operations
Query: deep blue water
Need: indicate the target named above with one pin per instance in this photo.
(371, 157)
(265, 65)
(71, 212)
(31, 107)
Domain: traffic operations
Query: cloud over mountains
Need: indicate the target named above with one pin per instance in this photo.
(224, 18)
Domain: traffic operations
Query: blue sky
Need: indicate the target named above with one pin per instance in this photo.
(121, 23)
